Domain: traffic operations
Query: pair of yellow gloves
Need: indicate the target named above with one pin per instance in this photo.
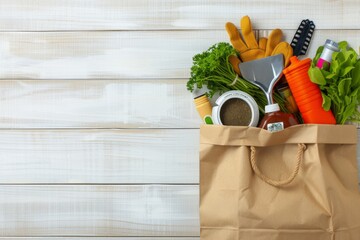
(249, 49)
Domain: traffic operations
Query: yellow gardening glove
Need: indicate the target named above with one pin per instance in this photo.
(249, 49)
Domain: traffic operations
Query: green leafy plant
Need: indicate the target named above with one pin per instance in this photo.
(212, 69)
(339, 83)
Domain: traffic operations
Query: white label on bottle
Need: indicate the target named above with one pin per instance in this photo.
(275, 127)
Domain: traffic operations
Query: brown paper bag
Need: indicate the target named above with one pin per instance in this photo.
(297, 184)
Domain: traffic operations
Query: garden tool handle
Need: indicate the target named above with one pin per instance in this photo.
(278, 183)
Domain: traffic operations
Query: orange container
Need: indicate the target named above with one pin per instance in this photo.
(316, 100)
(306, 96)
(308, 107)
(310, 98)
(313, 116)
(306, 93)
(299, 87)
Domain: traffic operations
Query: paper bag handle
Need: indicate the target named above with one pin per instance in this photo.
(277, 183)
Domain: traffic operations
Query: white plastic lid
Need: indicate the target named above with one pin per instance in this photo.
(272, 108)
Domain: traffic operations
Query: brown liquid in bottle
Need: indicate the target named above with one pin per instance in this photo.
(275, 120)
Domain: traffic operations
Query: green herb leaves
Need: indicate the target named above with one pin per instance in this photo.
(212, 69)
(340, 84)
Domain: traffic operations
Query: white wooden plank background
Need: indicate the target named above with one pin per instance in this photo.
(125, 156)
(96, 104)
(114, 55)
(100, 238)
(53, 15)
(99, 210)
(131, 171)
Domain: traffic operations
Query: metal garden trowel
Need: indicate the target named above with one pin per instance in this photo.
(264, 73)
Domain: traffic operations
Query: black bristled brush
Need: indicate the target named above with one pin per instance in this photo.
(302, 37)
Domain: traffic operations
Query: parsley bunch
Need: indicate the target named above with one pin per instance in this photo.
(339, 84)
(212, 68)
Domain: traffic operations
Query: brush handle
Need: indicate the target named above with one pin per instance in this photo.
(302, 37)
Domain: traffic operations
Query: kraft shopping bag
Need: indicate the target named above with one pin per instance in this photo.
(297, 184)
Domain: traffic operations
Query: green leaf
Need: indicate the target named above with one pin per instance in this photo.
(316, 76)
(348, 112)
(340, 58)
(326, 104)
(355, 74)
(325, 66)
(346, 70)
(347, 100)
(349, 56)
(317, 56)
(334, 56)
(354, 58)
(344, 87)
(330, 76)
(343, 45)
(354, 94)
(335, 67)
(208, 120)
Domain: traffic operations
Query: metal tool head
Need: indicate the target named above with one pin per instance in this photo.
(264, 73)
